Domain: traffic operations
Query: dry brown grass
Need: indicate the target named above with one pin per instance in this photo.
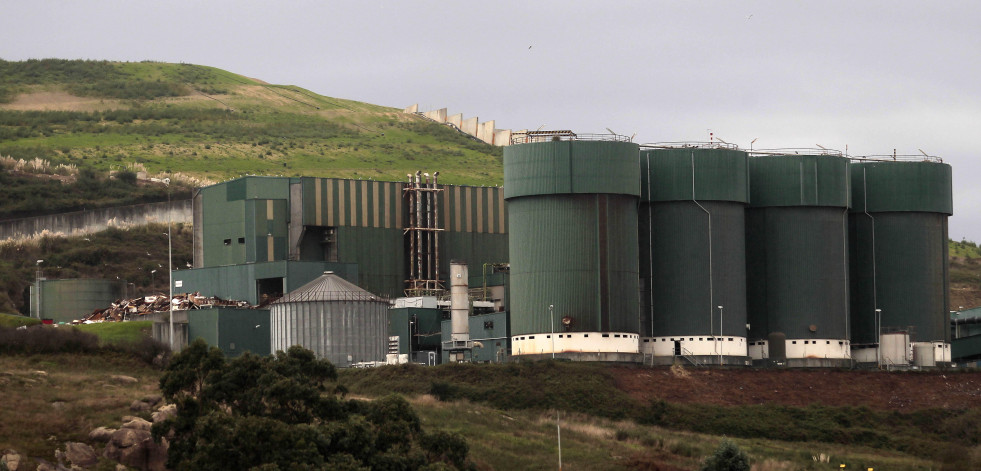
(51, 399)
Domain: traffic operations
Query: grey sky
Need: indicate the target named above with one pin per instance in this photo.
(872, 75)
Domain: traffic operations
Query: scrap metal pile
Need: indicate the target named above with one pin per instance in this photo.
(132, 309)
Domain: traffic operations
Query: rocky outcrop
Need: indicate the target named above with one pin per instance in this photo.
(132, 445)
(10, 459)
(80, 454)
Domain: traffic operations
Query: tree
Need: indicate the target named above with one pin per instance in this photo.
(277, 413)
(727, 457)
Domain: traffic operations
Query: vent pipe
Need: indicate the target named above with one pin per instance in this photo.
(459, 302)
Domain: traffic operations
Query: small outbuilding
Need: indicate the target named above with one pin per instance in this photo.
(334, 318)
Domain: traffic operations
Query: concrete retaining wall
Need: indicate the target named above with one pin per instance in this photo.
(87, 222)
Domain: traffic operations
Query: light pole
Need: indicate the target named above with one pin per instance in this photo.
(878, 337)
(720, 335)
(37, 286)
(551, 317)
(170, 266)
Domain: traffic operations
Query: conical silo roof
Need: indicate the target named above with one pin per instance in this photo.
(328, 287)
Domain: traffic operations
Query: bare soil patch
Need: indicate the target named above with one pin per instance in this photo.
(905, 391)
(61, 101)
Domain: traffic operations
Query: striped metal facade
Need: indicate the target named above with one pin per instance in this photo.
(264, 219)
(573, 243)
(797, 247)
(898, 236)
(692, 241)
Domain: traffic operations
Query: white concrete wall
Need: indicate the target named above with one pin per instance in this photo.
(592, 342)
(456, 120)
(469, 126)
(704, 345)
(502, 137)
(96, 220)
(485, 132)
(436, 115)
(412, 109)
(819, 348)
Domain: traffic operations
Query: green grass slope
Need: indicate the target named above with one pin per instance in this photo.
(213, 124)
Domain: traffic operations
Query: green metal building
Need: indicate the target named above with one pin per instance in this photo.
(573, 239)
(257, 237)
(898, 238)
(692, 250)
(797, 257)
(234, 331)
(489, 332)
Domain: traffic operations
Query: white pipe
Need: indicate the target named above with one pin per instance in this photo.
(707, 213)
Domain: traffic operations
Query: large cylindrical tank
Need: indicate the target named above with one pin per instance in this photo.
(693, 250)
(898, 232)
(797, 254)
(334, 318)
(572, 208)
(72, 299)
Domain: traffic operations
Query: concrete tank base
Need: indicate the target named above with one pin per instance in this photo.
(607, 357)
(699, 360)
(806, 363)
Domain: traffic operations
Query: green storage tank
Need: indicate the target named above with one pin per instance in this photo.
(797, 257)
(72, 299)
(572, 207)
(693, 251)
(898, 236)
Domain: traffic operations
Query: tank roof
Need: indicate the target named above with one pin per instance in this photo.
(329, 287)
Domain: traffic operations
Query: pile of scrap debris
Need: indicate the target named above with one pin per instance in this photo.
(132, 309)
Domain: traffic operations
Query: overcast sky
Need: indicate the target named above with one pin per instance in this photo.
(870, 75)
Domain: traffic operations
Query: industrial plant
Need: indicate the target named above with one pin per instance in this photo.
(596, 248)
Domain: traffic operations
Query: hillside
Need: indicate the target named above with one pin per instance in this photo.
(211, 125)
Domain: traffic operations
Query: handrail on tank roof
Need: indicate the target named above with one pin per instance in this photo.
(897, 158)
(797, 151)
(525, 137)
(689, 145)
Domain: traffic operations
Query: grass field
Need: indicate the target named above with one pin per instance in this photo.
(118, 332)
(13, 320)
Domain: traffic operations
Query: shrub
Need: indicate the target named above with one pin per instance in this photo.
(727, 457)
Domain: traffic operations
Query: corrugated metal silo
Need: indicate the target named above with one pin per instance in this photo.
(693, 251)
(572, 207)
(898, 236)
(334, 318)
(797, 257)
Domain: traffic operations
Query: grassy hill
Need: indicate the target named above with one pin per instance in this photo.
(211, 125)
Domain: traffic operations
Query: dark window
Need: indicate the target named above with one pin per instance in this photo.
(606, 335)
(228, 241)
(241, 240)
(794, 342)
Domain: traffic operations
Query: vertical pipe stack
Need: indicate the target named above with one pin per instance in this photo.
(573, 245)
(692, 252)
(898, 232)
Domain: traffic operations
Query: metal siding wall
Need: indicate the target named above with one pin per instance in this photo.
(560, 265)
(720, 174)
(380, 255)
(571, 167)
(902, 186)
(805, 275)
(678, 272)
(799, 180)
(908, 276)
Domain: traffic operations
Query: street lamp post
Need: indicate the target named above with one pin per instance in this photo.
(878, 337)
(170, 265)
(720, 335)
(551, 317)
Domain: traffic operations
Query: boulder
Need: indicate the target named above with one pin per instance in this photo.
(152, 399)
(138, 424)
(101, 434)
(80, 454)
(133, 446)
(139, 406)
(164, 413)
(11, 460)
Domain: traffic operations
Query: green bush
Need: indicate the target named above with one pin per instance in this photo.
(727, 457)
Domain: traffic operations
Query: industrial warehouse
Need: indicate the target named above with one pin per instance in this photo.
(595, 249)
